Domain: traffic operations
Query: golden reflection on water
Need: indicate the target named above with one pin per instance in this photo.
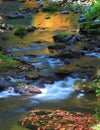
(55, 21)
(49, 27)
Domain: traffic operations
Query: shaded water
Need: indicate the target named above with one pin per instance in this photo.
(60, 94)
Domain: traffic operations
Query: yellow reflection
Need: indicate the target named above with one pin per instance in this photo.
(54, 21)
(49, 27)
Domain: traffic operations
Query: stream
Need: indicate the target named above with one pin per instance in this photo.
(58, 95)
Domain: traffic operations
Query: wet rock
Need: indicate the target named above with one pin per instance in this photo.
(39, 42)
(64, 12)
(31, 28)
(5, 26)
(47, 17)
(68, 38)
(21, 32)
(95, 42)
(4, 83)
(28, 11)
(30, 55)
(32, 76)
(62, 74)
(27, 89)
(76, 11)
(90, 28)
(15, 15)
(1, 88)
(84, 66)
(44, 80)
(57, 46)
(88, 48)
(84, 87)
(1, 48)
(81, 19)
(69, 53)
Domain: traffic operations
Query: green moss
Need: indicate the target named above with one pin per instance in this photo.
(51, 8)
(7, 63)
(91, 85)
(85, 86)
(63, 34)
(93, 12)
(20, 31)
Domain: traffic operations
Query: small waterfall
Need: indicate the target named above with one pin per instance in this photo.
(59, 90)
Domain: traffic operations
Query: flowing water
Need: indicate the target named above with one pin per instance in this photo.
(60, 94)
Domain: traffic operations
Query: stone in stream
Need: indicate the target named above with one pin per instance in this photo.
(64, 12)
(2, 88)
(84, 66)
(69, 53)
(25, 89)
(66, 38)
(22, 31)
(15, 15)
(81, 19)
(31, 28)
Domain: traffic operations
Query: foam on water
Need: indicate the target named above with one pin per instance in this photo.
(9, 92)
(52, 62)
(59, 90)
(94, 54)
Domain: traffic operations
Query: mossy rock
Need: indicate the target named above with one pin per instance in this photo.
(95, 25)
(93, 31)
(90, 28)
(57, 46)
(21, 31)
(85, 87)
(88, 86)
(83, 65)
(32, 76)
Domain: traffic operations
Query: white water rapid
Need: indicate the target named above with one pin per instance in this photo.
(59, 90)
(8, 92)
